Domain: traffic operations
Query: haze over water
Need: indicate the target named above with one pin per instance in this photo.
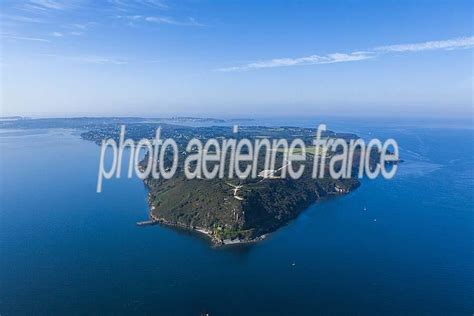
(67, 249)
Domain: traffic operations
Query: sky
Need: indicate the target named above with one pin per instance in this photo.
(160, 58)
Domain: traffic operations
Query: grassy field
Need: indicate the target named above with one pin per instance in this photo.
(312, 150)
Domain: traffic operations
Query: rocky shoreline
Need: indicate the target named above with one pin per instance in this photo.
(214, 240)
(217, 240)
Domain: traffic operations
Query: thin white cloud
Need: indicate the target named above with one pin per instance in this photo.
(77, 29)
(167, 20)
(302, 61)
(157, 4)
(91, 59)
(80, 26)
(160, 20)
(126, 5)
(24, 38)
(50, 5)
(20, 18)
(456, 43)
(451, 44)
(57, 34)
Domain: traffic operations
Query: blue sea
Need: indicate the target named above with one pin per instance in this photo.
(66, 249)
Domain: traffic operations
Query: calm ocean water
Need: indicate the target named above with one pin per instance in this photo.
(67, 249)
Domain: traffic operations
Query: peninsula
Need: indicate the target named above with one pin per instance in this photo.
(226, 210)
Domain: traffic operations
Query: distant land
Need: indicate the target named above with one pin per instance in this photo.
(77, 122)
(228, 211)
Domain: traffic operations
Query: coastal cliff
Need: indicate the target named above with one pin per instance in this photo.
(229, 215)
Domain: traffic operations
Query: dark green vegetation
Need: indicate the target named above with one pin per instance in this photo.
(210, 204)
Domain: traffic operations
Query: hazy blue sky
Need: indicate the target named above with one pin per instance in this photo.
(236, 58)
